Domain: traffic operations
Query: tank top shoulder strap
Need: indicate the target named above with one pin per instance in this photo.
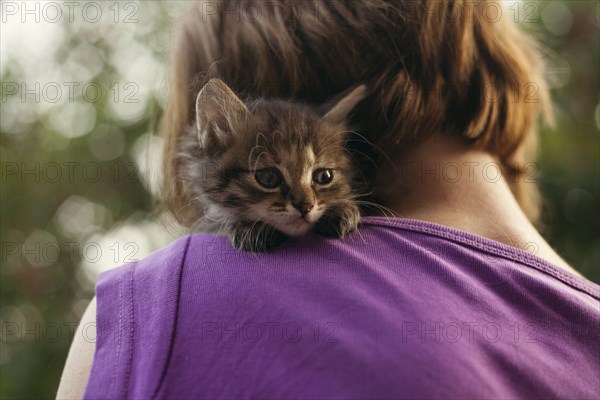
(137, 300)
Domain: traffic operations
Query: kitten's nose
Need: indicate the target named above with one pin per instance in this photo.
(304, 208)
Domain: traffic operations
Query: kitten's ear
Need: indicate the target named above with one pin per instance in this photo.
(217, 109)
(340, 111)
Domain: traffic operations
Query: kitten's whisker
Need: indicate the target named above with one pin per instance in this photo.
(357, 196)
(187, 205)
(357, 152)
(263, 135)
(261, 227)
(361, 236)
(376, 147)
(351, 156)
(258, 159)
(381, 208)
(362, 175)
(253, 238)
(256, 146)
(252, 152)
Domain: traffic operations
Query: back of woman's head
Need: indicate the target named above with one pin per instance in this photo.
(454, 67)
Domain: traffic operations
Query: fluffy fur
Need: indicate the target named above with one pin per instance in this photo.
(265, 170)
(432, 67)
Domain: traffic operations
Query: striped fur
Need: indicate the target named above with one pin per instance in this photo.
(231, 140)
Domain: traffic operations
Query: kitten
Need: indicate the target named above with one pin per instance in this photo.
(264, 170)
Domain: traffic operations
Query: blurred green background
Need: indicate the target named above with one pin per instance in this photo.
(81, 95)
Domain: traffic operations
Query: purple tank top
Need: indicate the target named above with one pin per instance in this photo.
(399, 309)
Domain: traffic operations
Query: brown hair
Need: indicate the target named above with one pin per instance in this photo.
(432, 66)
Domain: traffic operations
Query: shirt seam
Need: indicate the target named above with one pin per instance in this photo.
(120, 339)
(175, 320)
(131, 332)
(490, 246)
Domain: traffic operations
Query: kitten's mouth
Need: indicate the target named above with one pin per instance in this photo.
(299, 222)
(296, 226)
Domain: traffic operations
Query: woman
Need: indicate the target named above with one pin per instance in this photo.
(442, 300)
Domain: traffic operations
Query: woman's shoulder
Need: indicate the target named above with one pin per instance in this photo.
(380, 242)
(79, 360)
(390, 274)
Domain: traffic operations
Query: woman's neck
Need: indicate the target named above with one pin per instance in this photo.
(447, 182)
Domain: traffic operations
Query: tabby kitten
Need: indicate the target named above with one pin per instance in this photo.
(269, 169)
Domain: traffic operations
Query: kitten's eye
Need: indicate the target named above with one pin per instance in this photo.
(269, 177)
(323, 176)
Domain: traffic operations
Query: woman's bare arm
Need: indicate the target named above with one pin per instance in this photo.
(79, 361)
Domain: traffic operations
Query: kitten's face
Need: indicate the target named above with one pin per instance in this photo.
(286, 168)
(268, 160)
(297, 171)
